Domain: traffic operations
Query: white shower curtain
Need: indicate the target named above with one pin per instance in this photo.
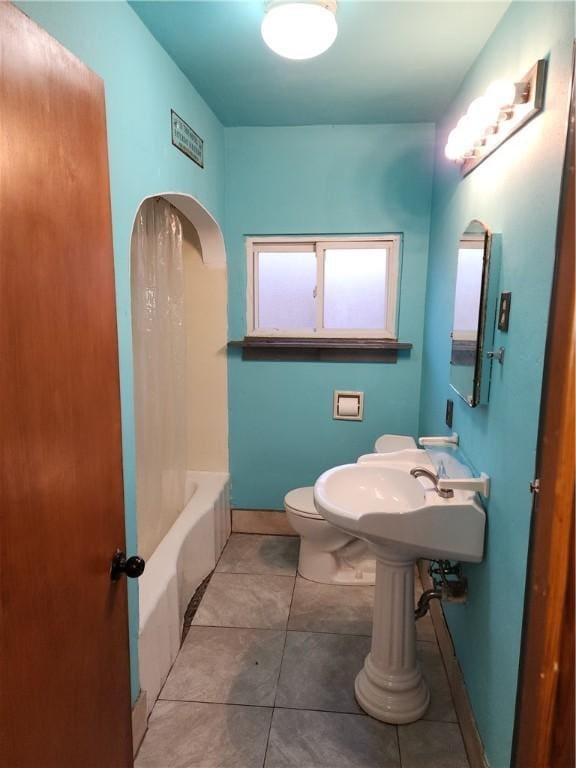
(159, 349)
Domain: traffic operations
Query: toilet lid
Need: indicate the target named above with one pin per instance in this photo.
(301, 501)
(393, 443)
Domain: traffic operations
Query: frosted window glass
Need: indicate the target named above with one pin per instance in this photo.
(286, 283)
(355, 291)
(468, 286)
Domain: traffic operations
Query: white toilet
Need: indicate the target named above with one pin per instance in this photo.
(327, 554)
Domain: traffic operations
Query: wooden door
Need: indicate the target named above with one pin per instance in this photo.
(544, 731)
(64, 668)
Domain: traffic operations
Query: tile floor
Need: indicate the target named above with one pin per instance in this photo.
(265, 677)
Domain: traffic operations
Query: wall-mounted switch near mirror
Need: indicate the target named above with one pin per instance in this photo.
(449, 412)
(504, 311)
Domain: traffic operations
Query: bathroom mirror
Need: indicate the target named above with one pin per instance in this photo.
(474, 314)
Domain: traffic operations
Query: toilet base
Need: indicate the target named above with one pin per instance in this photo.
(351, 565)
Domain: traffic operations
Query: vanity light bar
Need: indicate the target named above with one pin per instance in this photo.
(491, 119)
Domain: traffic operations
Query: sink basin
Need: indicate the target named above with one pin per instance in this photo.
(403, 519)
(380, 501)
(355, 490)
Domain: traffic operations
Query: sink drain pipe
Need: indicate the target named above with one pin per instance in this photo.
(449, 585)
(424, 602)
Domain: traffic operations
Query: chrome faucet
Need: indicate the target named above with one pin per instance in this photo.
(423, 472)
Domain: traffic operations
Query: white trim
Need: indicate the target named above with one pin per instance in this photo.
(139, 721)
(299, 247)
(312, 239)
(212, 247)
(255, 282)
(319, 293)
(209, 232)
(393, 285)
(251, 312)
(392, 243)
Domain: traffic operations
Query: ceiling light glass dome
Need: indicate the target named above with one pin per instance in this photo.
(300, 30)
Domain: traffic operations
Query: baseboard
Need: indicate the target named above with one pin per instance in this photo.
(464, 711)
(139, 721)
(266, 521)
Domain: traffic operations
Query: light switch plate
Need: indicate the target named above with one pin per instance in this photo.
(504, 311)
(449, 413)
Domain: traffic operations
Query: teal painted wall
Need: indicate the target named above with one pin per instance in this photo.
(356, 180)
(142, 84)
(321, 180)
(515, 192)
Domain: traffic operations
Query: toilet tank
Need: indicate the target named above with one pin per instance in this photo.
(392, 443)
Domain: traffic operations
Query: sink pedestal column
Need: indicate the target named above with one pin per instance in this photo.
(390, 686)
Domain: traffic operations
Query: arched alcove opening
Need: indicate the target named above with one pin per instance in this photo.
(178, 272)
(213, 251)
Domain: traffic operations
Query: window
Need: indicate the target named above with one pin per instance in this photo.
(329, 288)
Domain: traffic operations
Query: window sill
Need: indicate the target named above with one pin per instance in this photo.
(328, 350)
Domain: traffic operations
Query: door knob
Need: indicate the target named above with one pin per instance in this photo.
(132, 567)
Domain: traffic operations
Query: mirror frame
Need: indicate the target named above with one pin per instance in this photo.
(486, 318)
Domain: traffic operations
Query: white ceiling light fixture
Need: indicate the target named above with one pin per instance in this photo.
(300, 30)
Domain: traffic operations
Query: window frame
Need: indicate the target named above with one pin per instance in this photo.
(318, 245)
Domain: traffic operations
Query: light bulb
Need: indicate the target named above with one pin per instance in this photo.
(455, 146)
(452, 152)
(483, 113)
(469, 130)
(299, 30)
(502, 93)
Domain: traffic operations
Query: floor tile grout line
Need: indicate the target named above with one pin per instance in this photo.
(289, 629)
(284, 629)
(218, 703)
(280, 670)
(326, 632)
(298, 629)
(362, 714)
(274, 707)
(256, 573)
(397, 732)
(226, 626)
(263, 535)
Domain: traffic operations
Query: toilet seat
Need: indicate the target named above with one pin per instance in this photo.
(300, 501)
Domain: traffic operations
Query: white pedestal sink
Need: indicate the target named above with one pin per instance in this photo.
(402, 520)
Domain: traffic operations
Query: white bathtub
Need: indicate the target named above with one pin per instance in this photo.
(184, 557)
